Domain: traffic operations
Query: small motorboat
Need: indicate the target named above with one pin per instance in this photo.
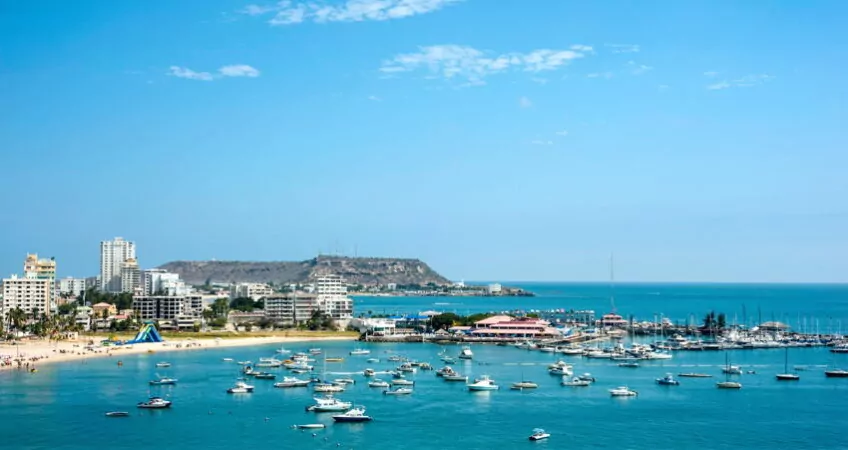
(586, 377)
(732, 370)
(117, 414)
(398, 391)
(694, 375)
(310, 426)
(571, 351)
(622, 391)
(240, 388)
(729, 385)
(329, 404)
(575, 382)
(406, 367)
(483, 384)
(291, 382)
(244, 363)
(425, 366)
(360, 351)
(836, 373)
(282, 351)
(447, 370)
(539, 434)
(334, 360)
(264, 376)
(402, 382)
(466, 353)
(314, 351)
(377, 383)
(668, 380)
(155, 403)
(369, 372)
(344, 381)
(523, 385)
(561, 371)
(328, 387)
(163, 364)
(354, 415)
(162, 381)
(629, 365)
(448, 360)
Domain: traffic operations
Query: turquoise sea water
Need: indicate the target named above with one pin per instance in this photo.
(62, 406)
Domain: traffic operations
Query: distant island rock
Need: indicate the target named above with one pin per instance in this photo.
(364, 271)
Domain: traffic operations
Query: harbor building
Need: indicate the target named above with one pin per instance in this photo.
(42, 269)
(130, 277)
(113, 255)
(30, 294)
(251, 290)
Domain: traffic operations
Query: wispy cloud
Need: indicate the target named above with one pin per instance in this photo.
(746, 81)
(235, 70)
(638, 69)
(541, 142)
(605, 75)
(711, 74)
(374, 98)
(562, 133)
(472, 66)
(525, 102)
(623, 48)
(288, 12)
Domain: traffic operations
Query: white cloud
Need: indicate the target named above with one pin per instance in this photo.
(184, 72)
(582, 48)
(524, 102)
(235, 70)
(606, 75)
(374, 98)
(711, 74)
(289, 12)
(238, 70)
(541, 142)
(638, 69)
(623, 48)
(472, 65)
(562, 133)
(746, 81)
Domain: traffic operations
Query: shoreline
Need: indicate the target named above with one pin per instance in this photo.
(34, 354)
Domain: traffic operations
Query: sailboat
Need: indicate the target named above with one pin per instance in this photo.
(786, 376)
(727, 384)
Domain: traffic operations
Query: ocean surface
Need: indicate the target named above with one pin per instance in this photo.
(803, 306)
(62, 406)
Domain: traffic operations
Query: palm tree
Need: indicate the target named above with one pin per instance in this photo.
(17, 318)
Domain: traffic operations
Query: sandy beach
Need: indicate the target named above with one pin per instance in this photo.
(33, 354)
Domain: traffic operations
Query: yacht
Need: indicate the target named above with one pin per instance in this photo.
(539, 434)
(360, 351)
(575, 382)
(466, 353)
(369, 372)
(240, 388)
(547, 349)
(447, 370)
(329, 404)
(523, 385)
(377, 383)
(483, 384)
(398, 391)
(161, 381)
(155, 403)
(598, 354)
(163, 364)
(622, 391)
(668, 380)
(354, 415)
(786, 375)
(291, 382)
(328, 387)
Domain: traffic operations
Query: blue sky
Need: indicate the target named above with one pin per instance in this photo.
(499, 140)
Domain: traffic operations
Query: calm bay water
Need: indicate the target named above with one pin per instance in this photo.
(61, 406)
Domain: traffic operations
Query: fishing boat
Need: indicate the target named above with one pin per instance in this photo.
(483, 384)
(623, 391)
(727, 384)
(398, 391)
(377, 383)
(290, 382)
(694, 375)
(354, 415)
(836, 373)
(786, 375)
(539, 434)
(162, 381)
(117, 414)
(360, 351)
(575, 382)
(163, 364)
(155, 403)
(523, 385)
(240, 388)
(667, 380)
(329, 404)
(465, 353)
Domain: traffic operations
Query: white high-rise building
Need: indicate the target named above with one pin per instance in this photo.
(73, 287)
(113, 255)
(28, 294)
(130, 277)
(162, 282)
(333, 299)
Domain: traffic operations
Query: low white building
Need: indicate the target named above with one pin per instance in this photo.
(251, 290)
(494, 289)
(380, 327)
(162, 282)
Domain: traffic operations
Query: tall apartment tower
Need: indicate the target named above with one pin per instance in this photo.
(42, 269)
(113, 255)
(130, 277)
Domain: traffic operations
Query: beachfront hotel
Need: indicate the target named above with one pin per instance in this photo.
(113, 255)
(42, 269)
(30, 294)
(333, 299)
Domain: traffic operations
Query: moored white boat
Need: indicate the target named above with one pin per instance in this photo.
(483, 384)
(523, 385)
(398, 391)
(290, 382)
(575, 382)
(155, 403)
(668, 380)
(240, 388)
(360, 351)
(329, 404)
(622, 391)
(377, 383)
(466, 353)
(328, 387)
(354, 415)
(539, 434)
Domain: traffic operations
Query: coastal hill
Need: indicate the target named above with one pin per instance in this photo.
(364, 271)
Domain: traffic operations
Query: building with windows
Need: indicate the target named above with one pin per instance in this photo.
(42, 269)
(70, 287)
(291, 309)
(333, 300)
(28, 294)
(130, 277)
(171, 311)
(162, 282)
(113, 255)
(251, 290)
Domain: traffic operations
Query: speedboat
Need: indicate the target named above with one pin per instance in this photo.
(575, 382)
(622, 391)
(694, 375)
(586, 377)
(155, 403)
(483, 384)
(329, 404)
(398, 391)
(163, 364)
(836, 373)
(729, 385)
(163, 381)
(369, 372)
(354, 415)
(240, 388)
(328, 387)
(360, 351)
(523, 385)
(117, 414)
(539, 434)
(668, 380)
(377, 383)
(465, 353)
(290, 382)
(447, 370)
(402, 382)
